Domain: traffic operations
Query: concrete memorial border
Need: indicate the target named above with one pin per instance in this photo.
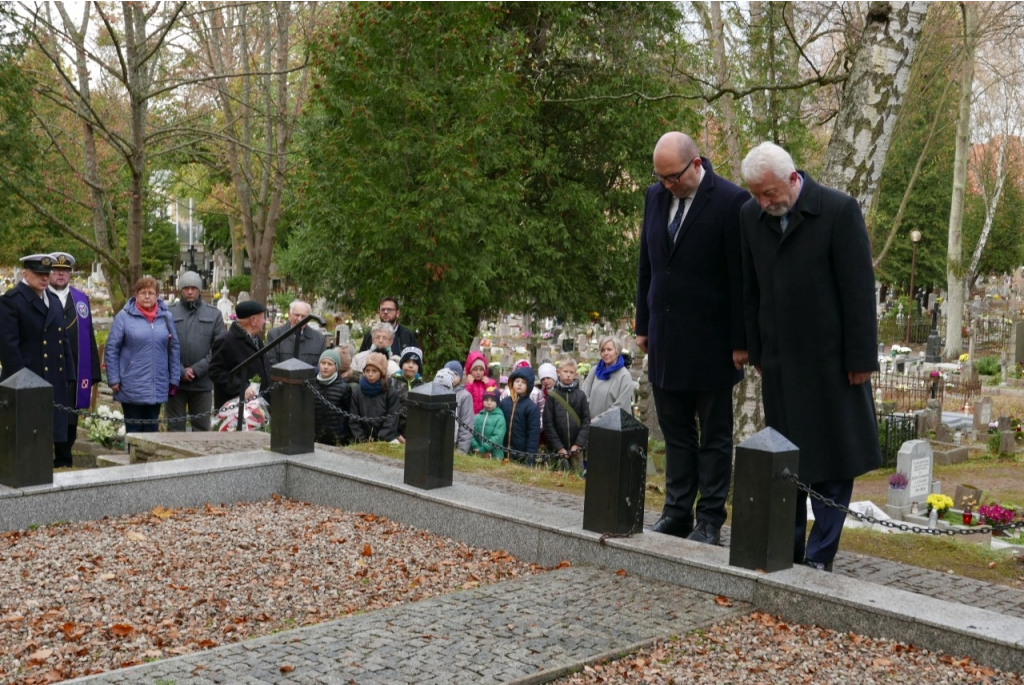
(540, 533)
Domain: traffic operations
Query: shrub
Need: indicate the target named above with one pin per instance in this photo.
(988, 366)
(237, 284)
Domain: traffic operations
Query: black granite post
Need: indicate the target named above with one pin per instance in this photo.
(26, 431)
(613, 501)
(429, 436)
(764, 503)
(292, 408)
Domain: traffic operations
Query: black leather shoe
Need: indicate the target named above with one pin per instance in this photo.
(673, 526)
(819, 565)
(706, 533)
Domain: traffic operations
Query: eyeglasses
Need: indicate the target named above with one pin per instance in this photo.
(387, 310)
(671, 178)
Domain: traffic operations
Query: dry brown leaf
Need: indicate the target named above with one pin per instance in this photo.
(121, 629)
(367, 551)
(287, 668)
(723, 601)
(40, 655)
(107, 576)
(135, 535)
(621, 572)
(565, 563)
(162, 512)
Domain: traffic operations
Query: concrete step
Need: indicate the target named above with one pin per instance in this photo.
(121, 459)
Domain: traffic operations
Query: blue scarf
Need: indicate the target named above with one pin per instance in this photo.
(605, 372)
(370, 389)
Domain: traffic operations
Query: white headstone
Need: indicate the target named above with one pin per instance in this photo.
(915, 459)
(225, 307)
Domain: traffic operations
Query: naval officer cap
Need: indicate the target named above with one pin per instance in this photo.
(62, 260)
(39, 263)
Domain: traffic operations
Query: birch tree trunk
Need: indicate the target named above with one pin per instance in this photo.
(954, 255)
(718, 41)
(872, 99)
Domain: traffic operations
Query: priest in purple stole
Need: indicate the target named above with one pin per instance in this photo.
(78, 324)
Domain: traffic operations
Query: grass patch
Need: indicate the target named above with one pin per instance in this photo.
(539, 476)
(938, 553)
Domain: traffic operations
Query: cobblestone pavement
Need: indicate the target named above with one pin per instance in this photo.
(513, 630)
(944, 586)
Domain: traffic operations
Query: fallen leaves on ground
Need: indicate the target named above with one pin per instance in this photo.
(82, 598)
(763, 649)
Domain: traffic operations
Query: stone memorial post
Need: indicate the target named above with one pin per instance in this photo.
(430, 437)
(915, 459)
(613, 501)
(982, 413)
(764, 502)
(944, 433)
(26, 431)
(1007, 442)
(294, 406)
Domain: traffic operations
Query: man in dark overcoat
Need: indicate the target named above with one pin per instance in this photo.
(33, 336)
(306, 345)
(689, 319)
(82, 339)
(232, 347)
(809, 290)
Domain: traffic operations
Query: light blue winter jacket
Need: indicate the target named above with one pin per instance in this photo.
(143, 357)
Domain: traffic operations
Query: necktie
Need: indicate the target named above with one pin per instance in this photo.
(784, 221)
(677, 220)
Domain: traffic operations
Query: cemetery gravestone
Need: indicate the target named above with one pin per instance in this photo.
(1004, 423)
(1007, 442)
(982, 413)
(936, 408)
(915, 460)
(944, 433)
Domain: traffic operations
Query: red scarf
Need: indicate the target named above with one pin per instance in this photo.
(150, 313)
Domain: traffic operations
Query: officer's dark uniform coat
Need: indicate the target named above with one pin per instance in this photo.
(33, 336)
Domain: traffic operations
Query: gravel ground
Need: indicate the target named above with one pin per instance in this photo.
(80, 598)
(759, 648)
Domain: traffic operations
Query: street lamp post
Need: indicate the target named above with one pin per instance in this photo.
(915, 238)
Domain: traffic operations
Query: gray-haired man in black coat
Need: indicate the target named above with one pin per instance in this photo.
(809, 298)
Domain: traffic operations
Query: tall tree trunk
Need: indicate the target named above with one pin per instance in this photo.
(718, 41)
(954, 255)
(872, 99)
(991, 205)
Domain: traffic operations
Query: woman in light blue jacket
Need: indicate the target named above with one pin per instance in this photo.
(143, 357)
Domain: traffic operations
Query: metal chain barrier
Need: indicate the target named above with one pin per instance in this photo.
(85, 413)
(372, 420)
(905, 527)
(525, 456)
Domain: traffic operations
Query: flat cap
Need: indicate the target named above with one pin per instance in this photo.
(243, 310)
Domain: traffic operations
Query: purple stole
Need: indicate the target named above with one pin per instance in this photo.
(84, 316)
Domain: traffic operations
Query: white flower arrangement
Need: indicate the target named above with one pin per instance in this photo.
(899, 349)
(107, 429)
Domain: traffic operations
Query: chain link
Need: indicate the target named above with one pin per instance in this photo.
(980, 530)
(85, 413)
(372, 420)
(529, 457)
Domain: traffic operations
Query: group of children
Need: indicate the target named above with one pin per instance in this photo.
(504, 422)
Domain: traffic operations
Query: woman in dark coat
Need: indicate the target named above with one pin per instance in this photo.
(331, 426)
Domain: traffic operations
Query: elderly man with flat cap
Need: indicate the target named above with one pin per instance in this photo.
(82, 338)
(33, 335)
(232, 347)
(198, 325)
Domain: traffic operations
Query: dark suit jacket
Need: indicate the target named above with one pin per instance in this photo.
(809, 294)
(311, 344)
(33, 336)
(689, 293)
(231, 348)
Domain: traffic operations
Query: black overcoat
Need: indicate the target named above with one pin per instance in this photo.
(230, 349)
(810, 314)
(689, 293)
(33, 336)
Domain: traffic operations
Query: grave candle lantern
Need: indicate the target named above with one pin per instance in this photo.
(968, 515)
